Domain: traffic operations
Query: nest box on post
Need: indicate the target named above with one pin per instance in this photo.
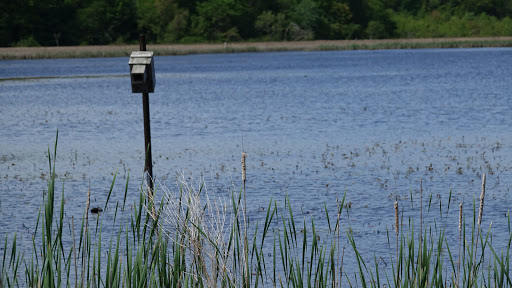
(142, 72)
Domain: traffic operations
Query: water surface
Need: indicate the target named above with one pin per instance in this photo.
(314, 125)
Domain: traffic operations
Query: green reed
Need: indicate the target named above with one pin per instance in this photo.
(197, 240)
(422, 265)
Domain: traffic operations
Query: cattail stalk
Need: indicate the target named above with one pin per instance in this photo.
(85, 231)
(244, 167)
(396, 218)
(482, 195)
(396, 231)
(420, 263)
(87, 207)
(338, 284)
(244, 174)
(460, 237)
(246, 252)
(74, 250)
(341, 268)
(480, 212)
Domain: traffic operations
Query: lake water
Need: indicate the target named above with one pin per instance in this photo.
(314, 125)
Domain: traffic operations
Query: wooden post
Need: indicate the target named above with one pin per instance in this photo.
(148, 168)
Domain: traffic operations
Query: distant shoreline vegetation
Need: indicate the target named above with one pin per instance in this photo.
(99, 22)
(7, 53)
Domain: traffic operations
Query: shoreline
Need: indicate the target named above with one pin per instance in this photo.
(16, 53)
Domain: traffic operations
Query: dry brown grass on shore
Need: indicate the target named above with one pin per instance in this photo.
(184, 49)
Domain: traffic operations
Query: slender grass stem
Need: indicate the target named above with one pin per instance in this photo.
(460, 238)
(397, 227)
(480, 213)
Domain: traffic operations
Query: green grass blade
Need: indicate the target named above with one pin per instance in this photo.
(110, 191)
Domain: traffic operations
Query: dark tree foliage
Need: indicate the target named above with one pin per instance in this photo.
(93, 22)
(106, 21)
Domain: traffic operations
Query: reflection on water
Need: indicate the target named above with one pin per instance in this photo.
(314, 125)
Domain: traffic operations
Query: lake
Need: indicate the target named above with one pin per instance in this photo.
(313, 124)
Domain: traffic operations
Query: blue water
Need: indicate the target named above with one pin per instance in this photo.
(314, 125)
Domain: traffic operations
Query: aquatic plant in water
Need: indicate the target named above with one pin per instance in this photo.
(197, 239)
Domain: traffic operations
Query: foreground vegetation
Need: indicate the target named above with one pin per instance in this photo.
(101, 22)
(193, 239)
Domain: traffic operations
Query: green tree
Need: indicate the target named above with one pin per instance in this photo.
(178, 28)
(497, 8)
(272, 25)
(381, 24)
(305, 14)
(360, 17)
(376, 30)
(71, 22)
(263, 5)
(155, 16)
(337, 22)
(410, 6)
(215, 20)
(15, 21)
(106, 21)
(189, 5)
(55, 22)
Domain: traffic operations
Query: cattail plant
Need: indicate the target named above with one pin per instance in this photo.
(210, 250)
(480, 212)
(86, 231)
(338, 241)
(421, 228)
(482, 195)
(460, 238)
(244, 169)
(244, 173)
(74, 249)
(246, 244)
(396, 231)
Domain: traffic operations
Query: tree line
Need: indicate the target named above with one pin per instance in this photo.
(95, 22)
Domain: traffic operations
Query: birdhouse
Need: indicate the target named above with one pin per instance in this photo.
(142, 72)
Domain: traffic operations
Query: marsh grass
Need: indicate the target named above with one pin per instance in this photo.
(209, 48)
(198, 240)
(422, 264)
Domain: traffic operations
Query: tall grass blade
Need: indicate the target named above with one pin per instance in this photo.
(110, 191)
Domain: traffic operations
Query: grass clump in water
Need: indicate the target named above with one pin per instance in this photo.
(421, 265)
(195, 239)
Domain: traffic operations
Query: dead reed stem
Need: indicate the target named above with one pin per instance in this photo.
(196, 224)
(150, 184)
